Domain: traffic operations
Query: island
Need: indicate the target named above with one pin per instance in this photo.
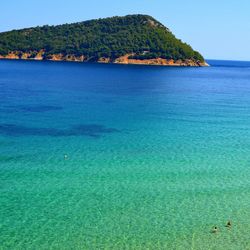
(132, 39)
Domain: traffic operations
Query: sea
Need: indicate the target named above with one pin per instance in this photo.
(101, 156)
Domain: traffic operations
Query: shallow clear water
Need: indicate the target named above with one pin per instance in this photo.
(156, 156)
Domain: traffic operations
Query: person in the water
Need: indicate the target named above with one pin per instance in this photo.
(215, 229)
(229, 224)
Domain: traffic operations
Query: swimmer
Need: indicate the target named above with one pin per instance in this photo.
(65, 157)
(229, 224)
(215, 229)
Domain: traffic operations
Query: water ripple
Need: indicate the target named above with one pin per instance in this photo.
(90, 130)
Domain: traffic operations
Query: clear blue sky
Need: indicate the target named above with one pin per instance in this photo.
(219, 29)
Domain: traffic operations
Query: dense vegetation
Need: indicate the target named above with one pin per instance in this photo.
(109, 37)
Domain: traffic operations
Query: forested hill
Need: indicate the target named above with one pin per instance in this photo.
(130, 39)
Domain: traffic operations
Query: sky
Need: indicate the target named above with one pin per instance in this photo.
(218, 29)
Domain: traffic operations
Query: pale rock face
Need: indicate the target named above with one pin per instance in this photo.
(158, 61)
(11, 56)
(104, 60)
(40, 55)
(25, 56)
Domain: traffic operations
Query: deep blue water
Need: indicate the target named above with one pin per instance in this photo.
(155, 156)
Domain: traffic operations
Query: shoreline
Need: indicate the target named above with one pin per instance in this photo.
(126, 60)
(205, 64)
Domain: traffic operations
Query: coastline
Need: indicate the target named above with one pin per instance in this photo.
(39, 56)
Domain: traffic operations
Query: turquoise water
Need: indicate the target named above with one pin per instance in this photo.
(155, 156)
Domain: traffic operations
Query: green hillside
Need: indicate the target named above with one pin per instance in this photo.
(140, 35)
